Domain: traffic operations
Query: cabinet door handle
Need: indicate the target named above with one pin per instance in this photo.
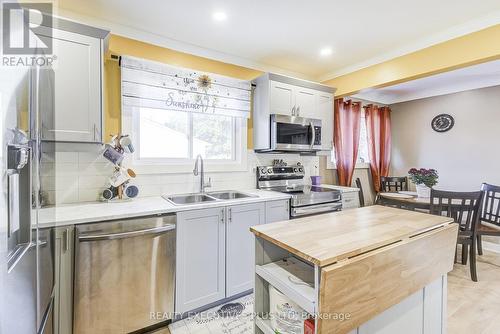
(65, 240)
(230, 218)
(222, 215)
(293, 111)
(97, 134)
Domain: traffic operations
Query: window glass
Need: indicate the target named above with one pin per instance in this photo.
(167, 134)
(213, 136)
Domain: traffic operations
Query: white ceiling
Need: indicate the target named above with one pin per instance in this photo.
(287, 35)
(473, 77)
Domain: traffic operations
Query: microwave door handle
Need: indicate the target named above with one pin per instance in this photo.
(313, 134)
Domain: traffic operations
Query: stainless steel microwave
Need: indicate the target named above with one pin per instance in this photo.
(298, 134)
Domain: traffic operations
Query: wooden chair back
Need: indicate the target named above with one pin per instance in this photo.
(360, 193)
(490, 212)
(393, 183)
(463, 207)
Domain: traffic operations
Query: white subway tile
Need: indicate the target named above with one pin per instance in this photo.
(89, 194)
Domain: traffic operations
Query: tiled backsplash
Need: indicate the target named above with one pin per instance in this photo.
(72, 177)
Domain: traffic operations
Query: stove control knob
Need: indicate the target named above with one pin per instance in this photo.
(263, 171)
(269, 170)
(301, 170)
(295, 169)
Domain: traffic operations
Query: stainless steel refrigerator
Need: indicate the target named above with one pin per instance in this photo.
(26, 251)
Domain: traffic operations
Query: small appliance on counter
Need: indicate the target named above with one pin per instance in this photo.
(305, 199)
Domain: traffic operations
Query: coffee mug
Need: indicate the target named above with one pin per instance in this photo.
(126, 144)
(112, 155)
(131, 191)
(110, 193)
(120, 176)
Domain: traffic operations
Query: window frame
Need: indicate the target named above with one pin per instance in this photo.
(131, 125)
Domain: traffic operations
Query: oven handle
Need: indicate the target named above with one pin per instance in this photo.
(123, 235)
(308, 210)
(313, 133)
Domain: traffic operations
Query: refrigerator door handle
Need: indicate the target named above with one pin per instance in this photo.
(13, 203)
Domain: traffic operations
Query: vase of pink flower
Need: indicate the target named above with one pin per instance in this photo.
(424, 180)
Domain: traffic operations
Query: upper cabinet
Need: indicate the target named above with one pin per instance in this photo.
(325, 112)
(282, 98)
(276, 94)
(71, 91)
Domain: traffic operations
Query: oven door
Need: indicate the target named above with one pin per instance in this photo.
(301, 211)
(289, 133)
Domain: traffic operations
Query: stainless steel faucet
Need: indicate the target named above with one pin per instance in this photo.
(203, 185)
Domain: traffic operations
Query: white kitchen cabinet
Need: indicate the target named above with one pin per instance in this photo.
(276, 94)
(240, 254)
(200, 258)
(325, 113)
(282, 98)
(71, 94)
(63, 280)
(277, 211)
(293, 100)
(306, 102)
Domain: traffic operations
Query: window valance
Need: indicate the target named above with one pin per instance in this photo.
(150, 84)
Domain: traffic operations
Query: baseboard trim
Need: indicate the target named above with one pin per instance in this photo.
(490, 246)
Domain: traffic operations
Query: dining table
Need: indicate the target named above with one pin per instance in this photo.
(404, 199)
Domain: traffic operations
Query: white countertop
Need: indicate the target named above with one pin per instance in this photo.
(341, 188)
(88, 212)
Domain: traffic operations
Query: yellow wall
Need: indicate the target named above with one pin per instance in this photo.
(477, 47)
(474, 48)
(124, 46)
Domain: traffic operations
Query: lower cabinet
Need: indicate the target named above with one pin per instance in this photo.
(63, 280)
(277, 211)
(240, 253)
(215, 251)
(200, 258)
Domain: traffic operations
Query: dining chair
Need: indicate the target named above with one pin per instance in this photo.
(360, 193)
(464, 208)
(489, 222)
(393, 183)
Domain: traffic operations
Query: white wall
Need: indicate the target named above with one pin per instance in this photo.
(465, 156)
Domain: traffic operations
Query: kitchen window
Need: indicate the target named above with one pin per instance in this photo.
(363, 156)
(165, 135)
(168, 140)
(174, 114)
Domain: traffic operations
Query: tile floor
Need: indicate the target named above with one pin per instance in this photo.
(473, 307)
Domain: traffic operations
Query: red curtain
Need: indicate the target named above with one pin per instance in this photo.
(346, 119)
(378, 131)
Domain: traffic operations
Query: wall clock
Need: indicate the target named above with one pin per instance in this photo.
(442, 123)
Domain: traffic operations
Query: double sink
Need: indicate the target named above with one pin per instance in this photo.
(186, 199)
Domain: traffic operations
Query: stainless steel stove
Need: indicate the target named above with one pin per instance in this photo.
(305, 199)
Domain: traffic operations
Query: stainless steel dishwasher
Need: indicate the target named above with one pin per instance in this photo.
(124, 274)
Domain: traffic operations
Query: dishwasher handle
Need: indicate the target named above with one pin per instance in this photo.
(129, 234)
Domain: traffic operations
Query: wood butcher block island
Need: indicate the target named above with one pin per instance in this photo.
(365, 271)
